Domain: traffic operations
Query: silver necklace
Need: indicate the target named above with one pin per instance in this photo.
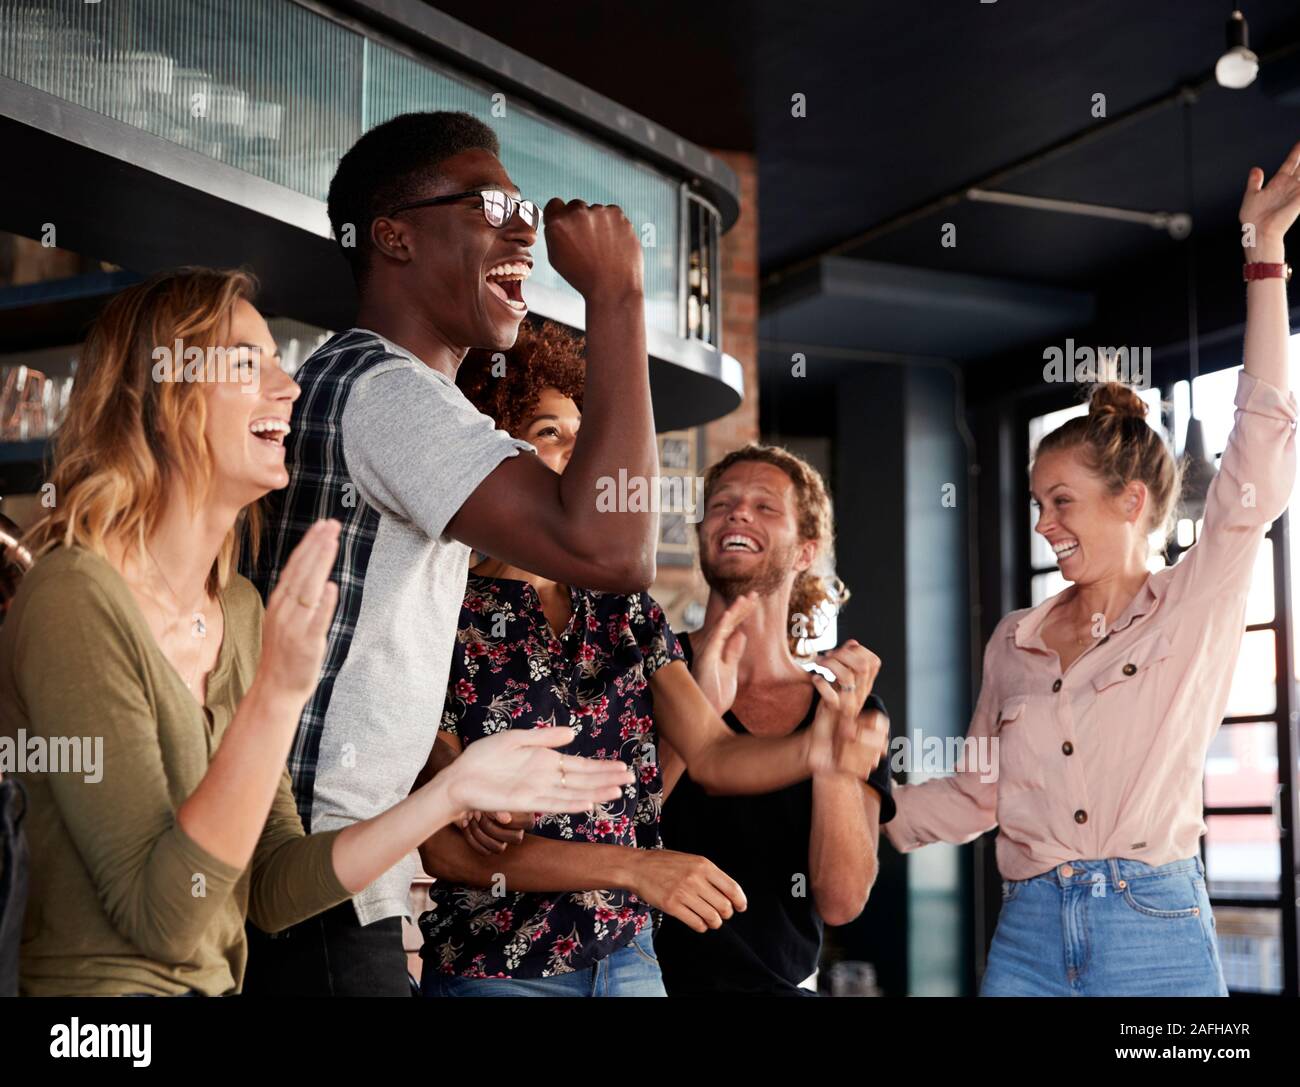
(198, 625)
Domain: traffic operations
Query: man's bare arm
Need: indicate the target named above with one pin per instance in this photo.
(527, 515)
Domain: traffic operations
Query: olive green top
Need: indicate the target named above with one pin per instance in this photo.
(121, 899)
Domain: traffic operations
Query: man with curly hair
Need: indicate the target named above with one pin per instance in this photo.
(805, 854)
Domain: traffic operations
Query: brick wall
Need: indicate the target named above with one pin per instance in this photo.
(739, 264)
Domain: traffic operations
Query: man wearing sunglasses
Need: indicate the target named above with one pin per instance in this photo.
(439, 240)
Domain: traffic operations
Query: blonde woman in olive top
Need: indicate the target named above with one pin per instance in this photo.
(1103, 700)
(132, 638)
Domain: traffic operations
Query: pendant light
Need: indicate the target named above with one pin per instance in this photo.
(1198, 470)
(1238, 66)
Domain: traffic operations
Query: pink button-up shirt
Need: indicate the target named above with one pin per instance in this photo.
(1106, 759)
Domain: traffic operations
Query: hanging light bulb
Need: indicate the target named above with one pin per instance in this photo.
(1238, 66)
(1198, 472)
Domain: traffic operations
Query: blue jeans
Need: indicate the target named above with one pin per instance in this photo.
(632, 970)
(1106, 928)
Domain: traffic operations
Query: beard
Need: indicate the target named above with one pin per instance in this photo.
(764, 579)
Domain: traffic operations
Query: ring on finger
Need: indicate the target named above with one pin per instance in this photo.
(306, 603)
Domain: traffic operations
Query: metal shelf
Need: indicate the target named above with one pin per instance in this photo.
(22, 466)
(24, 452)
(56, 312)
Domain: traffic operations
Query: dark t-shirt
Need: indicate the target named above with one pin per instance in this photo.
(762, 843)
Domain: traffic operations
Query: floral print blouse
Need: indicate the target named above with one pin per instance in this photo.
(509, 670)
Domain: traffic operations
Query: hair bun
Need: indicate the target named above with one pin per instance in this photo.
(1113, 398)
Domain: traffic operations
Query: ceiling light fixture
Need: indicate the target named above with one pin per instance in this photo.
(1238, 66)
(1198, 471)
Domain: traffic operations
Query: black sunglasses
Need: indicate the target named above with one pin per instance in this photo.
(498, 207)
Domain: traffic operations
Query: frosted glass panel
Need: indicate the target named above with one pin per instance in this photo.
(270, 88)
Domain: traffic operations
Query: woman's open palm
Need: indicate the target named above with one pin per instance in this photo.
(518, 771)
(1272, 208)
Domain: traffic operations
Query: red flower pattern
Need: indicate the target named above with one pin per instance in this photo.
(533, 680)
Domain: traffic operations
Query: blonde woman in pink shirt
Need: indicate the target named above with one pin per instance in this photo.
(1103, 700)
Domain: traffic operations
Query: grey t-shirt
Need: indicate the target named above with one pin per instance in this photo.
(413, 449)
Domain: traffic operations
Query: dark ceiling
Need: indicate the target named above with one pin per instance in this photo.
(909, 101)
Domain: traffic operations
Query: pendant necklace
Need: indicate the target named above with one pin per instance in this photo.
(198, 625)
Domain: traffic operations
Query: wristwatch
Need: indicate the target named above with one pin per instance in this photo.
(1263, 270)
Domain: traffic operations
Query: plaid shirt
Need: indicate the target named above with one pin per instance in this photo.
(319, 487)
(392, 449)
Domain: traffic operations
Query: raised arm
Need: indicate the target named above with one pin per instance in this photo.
(688, 705)
(226, 814)
(1257, 472)
(569, 536)
(1268, 211)
(724, 762)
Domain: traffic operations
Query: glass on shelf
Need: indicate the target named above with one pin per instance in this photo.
(22, 404)
(32, 405)
(58, 394)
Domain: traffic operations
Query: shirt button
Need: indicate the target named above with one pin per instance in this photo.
(1130, 669)
(1067, 748)
(1056, 686)
(1081, 816)
(1066, 871)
